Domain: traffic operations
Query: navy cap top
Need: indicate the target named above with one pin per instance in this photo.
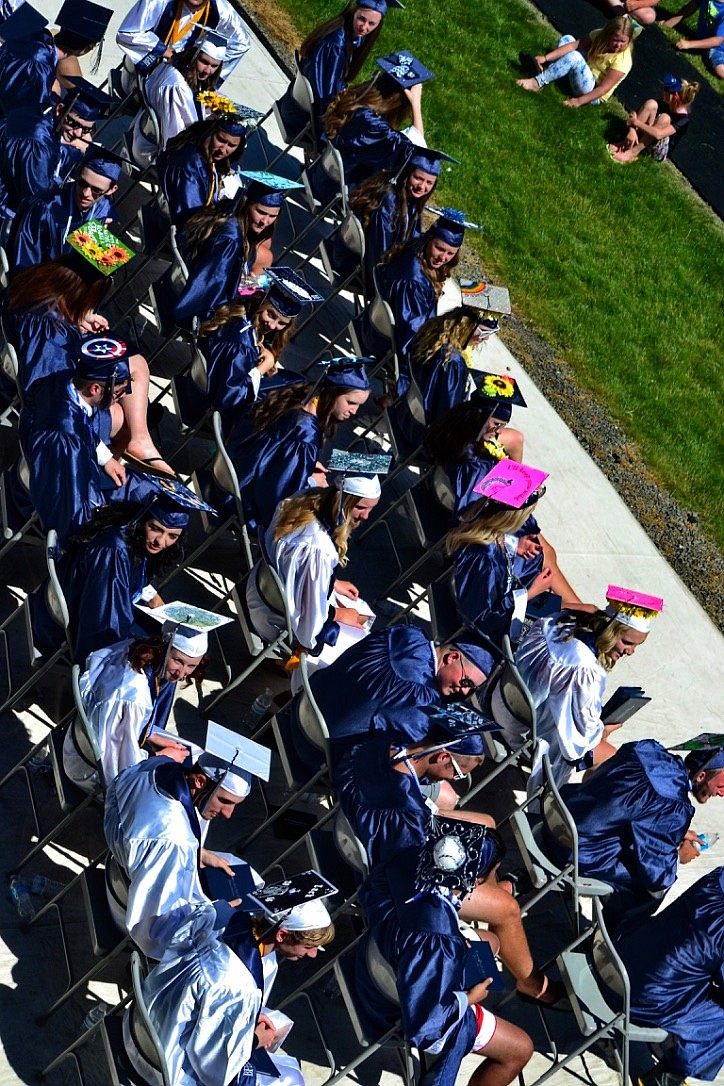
(167, 512)
(477, 650)
(672, 82)
(105, 162)
(268, 189)
(450, 226)
(102, 358)
(85, 100)
(86, 20)
(288, 292)
(429, 160)
(404, 70)
(380, 6)
(24, 23)
(347, 372)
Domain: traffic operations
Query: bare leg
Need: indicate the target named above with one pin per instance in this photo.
(513, 442)
(474, 816)
(558, 583)
(133, 437)
(497, 907)
(505, 1056)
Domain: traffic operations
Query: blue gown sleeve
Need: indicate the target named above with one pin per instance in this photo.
(325, 69)
(368, 144)
(442, 387)
(382, 231)
(214, 276)
(413, 303)
(32, 241)
(34, 168)
(483, 590)
(186, 184)
(44, 346)
(104, 597)
(231, 354)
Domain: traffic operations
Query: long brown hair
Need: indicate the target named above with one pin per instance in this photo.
(184, 62)
(291, 398)
(322, 504)
(151, 652)
(205, 222)
(250, 310)
(437, 276)
(394, 108)
(200, 135)
(54, 285)
(368, 197)
(354, 58)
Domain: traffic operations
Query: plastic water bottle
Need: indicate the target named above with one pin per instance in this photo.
(260, 707)
(95, 1015)
(45, 887)
(21, 899)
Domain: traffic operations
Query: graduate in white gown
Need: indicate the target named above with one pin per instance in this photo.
(127, 692)
(156, 29)
(306, 544)
(156, 817)
(564, 660)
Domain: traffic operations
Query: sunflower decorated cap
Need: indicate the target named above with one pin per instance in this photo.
(455, 855)
(102, 250)
(634, 609)
(500, 387)
(477, 294)
(234, 118)
(512, 484)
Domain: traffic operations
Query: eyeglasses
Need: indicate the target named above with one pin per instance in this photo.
(77, 126)
(95, 192)
(465, 683)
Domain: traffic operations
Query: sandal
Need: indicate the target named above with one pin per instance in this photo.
(145, 465)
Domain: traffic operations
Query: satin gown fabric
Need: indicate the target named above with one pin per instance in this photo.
(486, 593)
(367, 144)
(188, 182)
(41, 226)
(27, 72)
(33, 164)
(233, 380)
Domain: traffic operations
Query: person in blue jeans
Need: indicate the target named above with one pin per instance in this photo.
(709, 30)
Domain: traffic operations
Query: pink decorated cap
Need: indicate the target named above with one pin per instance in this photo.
(511, 483)
(634, 609)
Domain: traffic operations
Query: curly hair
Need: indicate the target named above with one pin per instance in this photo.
(592, 626)
(367, 198)
(393, 107)
(449, 332)
(484, 523)
(354, 59)
(322, 504)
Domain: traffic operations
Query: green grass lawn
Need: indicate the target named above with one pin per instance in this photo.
(620, 268)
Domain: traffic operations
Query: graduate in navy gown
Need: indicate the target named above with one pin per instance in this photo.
(65, 428)
(675, 963)
(492, 585)
(241, 344)
(30, 56)
(363, 121)
(198, 165)
(42, 225)
(108, 567)
(633, 817)
(411, 907)
(389, 207)
(332, 55)
(411, 281)
(226, 243)
(276, 450)
(382, 685)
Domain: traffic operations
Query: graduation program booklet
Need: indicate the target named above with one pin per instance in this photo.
(222, 887)
(622, 704)
(480, 964)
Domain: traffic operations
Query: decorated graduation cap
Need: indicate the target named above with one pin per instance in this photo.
(159, 484)
(476, 648)
(230, 760)
(84, 21)
(450, 225)
(166, 511)
(500, 391)
(267, 189)
(105, 162)
(23, 24)
(633, 609)
(357, 473)
(705, 752)
(86, 100)
(288, 292)
(400, 71)
(102, 252)
(455, 854)
(512, 484)
(308, 916)
(454, 727)
(672, 83)
(234, 118)
(184, 626)
(279, 899)
(103, 358)
(477, 294)
(380, 6)
(212, 44)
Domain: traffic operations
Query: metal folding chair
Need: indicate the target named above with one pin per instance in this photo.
(30, 531)
(306, 138)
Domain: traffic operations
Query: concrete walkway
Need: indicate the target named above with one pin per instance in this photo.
(598, 541)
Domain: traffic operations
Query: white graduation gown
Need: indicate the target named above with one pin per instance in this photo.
(173, 100)
(567, 685)
(137, 38)
(203, 1002)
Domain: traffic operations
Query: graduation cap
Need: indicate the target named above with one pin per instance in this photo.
(268, 189)
(512, 484)
(230, 760)
(288, 292)
(706, 751)
(429, 160)
(279, 899)
(83, 20)
(380, 6)
(163, 485)
(404, 70)
(672, 83)
(496, 387)
(453, 726)
(450, 226)
(476, 647)
(477, 294)
(345, 371)
(633, 609)
(167, 511)
(103, 358)
(101, 250)
(455, 854)
(212, 44)
(86, 100)
(357, 474)
(184, 626)
(24, 23)
(106, 162)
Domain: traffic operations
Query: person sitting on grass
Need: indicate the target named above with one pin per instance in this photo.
(595, 64)
(709, 29)
(656, 127)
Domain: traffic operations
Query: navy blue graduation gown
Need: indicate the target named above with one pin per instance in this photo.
(188, 182)
(412, 298)
(59, 441)
(386, 808)
(27, 72)
(484, 585)
(442, 387)
(367, 144)
(100, 580)
(421, 940)
(673, 961)
(274, 463)
(214, 275)
(631, 815)
(41, 226)
(45, 344)
(31, 165)
(324, 67)
(231, 354)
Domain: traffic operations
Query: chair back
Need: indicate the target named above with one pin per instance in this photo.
(352, 235)
(382, 318)
(117, 882)
(511, 704)
(556, 815)
(84, 738)
(381, 972)
(606, 960)
(10, 364)
(23, 470)
(442, 488)
(199, 371)
(223, 470)
(349, 845)
(416, 402)
(302, 92)
(142, 1031)
(4, 267)
(330, 162)
(54, 595)
(309, 715)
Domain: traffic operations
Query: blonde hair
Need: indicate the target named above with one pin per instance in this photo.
(451, 331)
(688, 92)
(601, 44)
(598, 625)
(485, 523)
(322, 504)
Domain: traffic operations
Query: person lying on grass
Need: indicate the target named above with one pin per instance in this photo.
(594, 64)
